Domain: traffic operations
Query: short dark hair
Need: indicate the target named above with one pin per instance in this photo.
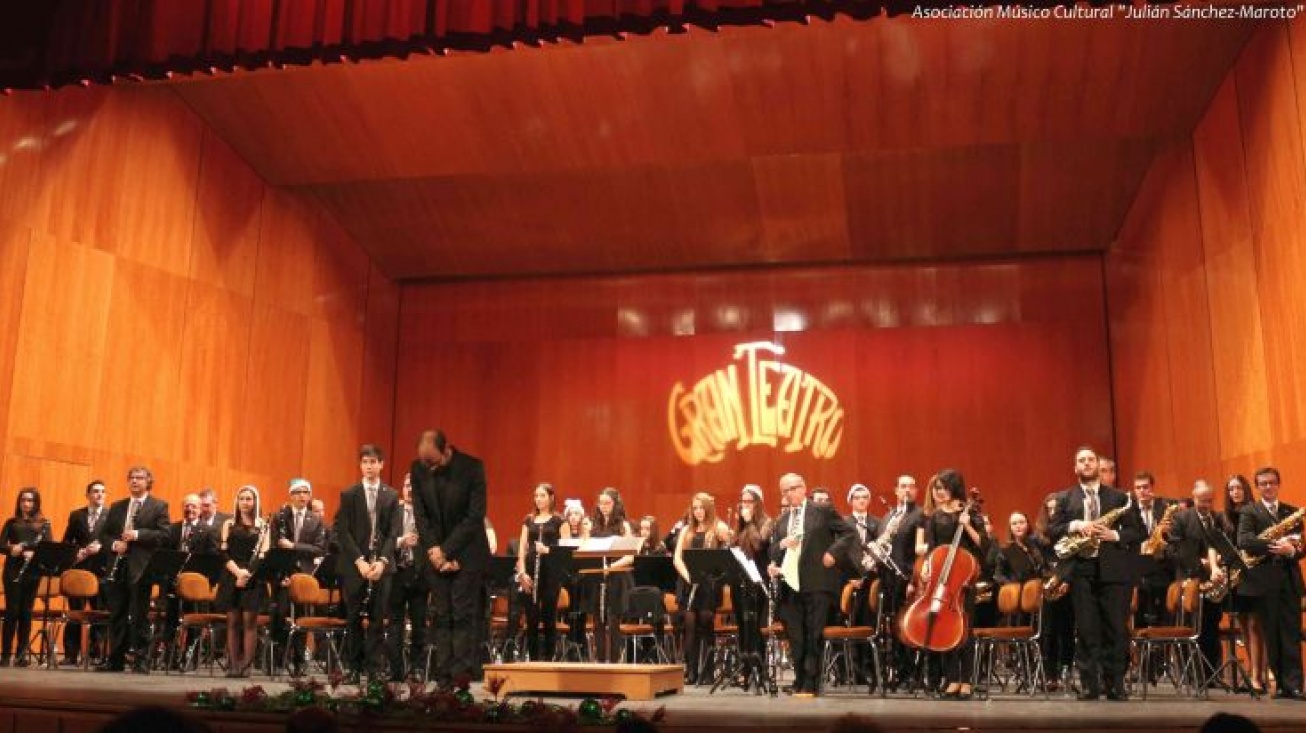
(1268, 471)
(436, 436)
(1145, 476)
(369, 450)
(149, 475)
(94, 482)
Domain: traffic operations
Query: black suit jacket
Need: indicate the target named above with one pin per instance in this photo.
(152, 525)
(1189, 542)
(823, 528)
(78, 533)
(1253, 519)
(1014, 564)
(903, 545)
(1157, 570)
(312, 536)
(1116, 560)
(449, 508)
(354, 528)
(202, 541)
(849, 551)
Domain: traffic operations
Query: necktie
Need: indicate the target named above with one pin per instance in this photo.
(185, 534)
(861, 528)
(130, 524)
(299, 524)
(91, 519)
(1206, 521)
(1094, 511)
(371, 506)
(1147, 520)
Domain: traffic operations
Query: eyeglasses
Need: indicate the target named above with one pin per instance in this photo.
(1267, 482)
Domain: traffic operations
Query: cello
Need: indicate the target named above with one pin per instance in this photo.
(936, 620)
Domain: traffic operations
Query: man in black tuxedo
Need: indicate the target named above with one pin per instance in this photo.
(210, 516)
(135, 528)
(1195, 556)
(366, 528)
(811, 530)
(409, 593)
(189, 536)
(1276, 583)
(858, 567)
(1101, 581)
(296, 527)
(902, 520)
(83, 530)
(449, 508)
(1156, 571)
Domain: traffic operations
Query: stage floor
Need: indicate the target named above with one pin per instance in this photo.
(35, 697)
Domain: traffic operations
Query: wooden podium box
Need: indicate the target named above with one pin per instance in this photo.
(582, 679)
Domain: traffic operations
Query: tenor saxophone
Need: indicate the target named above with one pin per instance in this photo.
(1157, 539)
(1083, 545)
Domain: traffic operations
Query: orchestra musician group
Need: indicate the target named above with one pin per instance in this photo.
(412, 566)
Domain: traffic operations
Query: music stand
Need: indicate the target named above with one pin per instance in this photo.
(656, 570)
(161, 569)
(210, 566)
(712, 568)
(562, 563)
(50, 559)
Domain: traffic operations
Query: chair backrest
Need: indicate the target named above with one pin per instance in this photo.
(1009, 596)
(846, 599)
(645, 603)
(727, 603)
(1031, 596)
(670, 603)
(564, 599)
(1172, 595)
(873, 598)
(499, 606)
(79, 584)
(304, 590)
(194, 588)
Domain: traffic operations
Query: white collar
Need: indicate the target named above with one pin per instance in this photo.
(1092, 486)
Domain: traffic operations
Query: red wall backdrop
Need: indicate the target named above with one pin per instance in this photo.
(997, 369)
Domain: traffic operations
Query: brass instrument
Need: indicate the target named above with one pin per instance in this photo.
(983, 592)
(879, 551)
(1157, 539)
(1055, 587)
(1216, 591)
(1083, 545)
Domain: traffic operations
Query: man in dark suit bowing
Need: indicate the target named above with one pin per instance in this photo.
(1276, 583)
(1102, 578)
(366, 527)
(449, 508)
(135, 528)
(83, 531)
(801, 552)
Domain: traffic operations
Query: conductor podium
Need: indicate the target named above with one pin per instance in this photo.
(590, 562)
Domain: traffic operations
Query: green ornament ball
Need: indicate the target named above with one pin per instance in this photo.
(304, 697)
(464, 697)
(202, 698)
(590, 709)
(625, 715)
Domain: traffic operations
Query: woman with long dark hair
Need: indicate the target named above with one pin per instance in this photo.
(1237, 494)
(239, 596)
(609, 520)
(648, 531)
(540, 531)
(698, 604)
(20, 535)
(948, 491)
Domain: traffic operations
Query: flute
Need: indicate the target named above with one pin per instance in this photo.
(535, 579)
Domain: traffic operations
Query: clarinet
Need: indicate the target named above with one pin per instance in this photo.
(27, 561)
(372, 548)
(189, 547)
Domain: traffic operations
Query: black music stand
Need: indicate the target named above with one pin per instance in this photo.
(709, 569)
(1233, 560)
(49, 560)
(562, 564)
(278, 564)
(656, 570)
(162, 569)
(210, 566)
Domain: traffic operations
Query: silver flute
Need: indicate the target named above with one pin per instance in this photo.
(535, 579)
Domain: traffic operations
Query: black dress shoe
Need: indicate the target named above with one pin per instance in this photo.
(110, 667)
(1088, 695)
(1117, 693)
(141, 668)
(1287, 693)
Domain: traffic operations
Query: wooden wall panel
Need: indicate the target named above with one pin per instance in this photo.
(380, 350)
(568, 380)
(162, 305)
(1206, 304)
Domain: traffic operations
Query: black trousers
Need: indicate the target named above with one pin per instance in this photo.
(19, 600)
(1058, 636)
(1208, 639)
(408, 602)
(1101, 619)
(804, 616)
(541, 618)
(364, 650)
(1280, 613)
(129, 619)
(456, 624)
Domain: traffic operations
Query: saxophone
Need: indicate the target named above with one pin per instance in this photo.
(879, 551)
(1083, 545)
(1216, 591)
(1157, 540)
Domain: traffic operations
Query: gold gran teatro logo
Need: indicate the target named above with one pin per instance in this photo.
(757, 401)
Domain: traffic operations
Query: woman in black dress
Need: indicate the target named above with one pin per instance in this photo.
(243, 542)
(539, 589)
(648, 531)
(948, 489)
(609, 520)
(1237, 494)
(698, 604)
(752, 535)
(20, 535)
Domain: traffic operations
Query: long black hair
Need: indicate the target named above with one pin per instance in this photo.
(36, 517)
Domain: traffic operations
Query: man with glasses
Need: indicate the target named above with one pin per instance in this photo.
(801, 546)
(135, 528)
(1275, 583)
(83, 531)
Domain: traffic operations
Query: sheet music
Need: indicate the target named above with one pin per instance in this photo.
(750, 568)
(569, 542)
(597, 544)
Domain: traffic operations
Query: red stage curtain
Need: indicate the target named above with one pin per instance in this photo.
(57, 42)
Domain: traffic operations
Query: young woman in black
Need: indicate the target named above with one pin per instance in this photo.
(20, 535)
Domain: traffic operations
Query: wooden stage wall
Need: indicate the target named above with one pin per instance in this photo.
(1208, 309)
(162, 304)
(998, 369)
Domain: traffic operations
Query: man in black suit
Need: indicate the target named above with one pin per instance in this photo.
(811, 530)
(1156, 571)
(409, 592)
(189, 536)
(1195, 556)
(210, 517)
(1275, 583)
(1101, 580)
(366, 528)
(449, 508)
(83, 530)
(902, 521)
(135, 528)
(858, 567)
(297, 528)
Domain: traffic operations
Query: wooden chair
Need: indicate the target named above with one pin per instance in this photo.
(645, 615)
(1021, 641)
(1177, 643)
(308, 603)
(79, 587)
(841, 641)
(195, 591)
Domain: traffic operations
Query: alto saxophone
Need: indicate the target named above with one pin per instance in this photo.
(1216, 591)
(1081, 544)
(1157, 539)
